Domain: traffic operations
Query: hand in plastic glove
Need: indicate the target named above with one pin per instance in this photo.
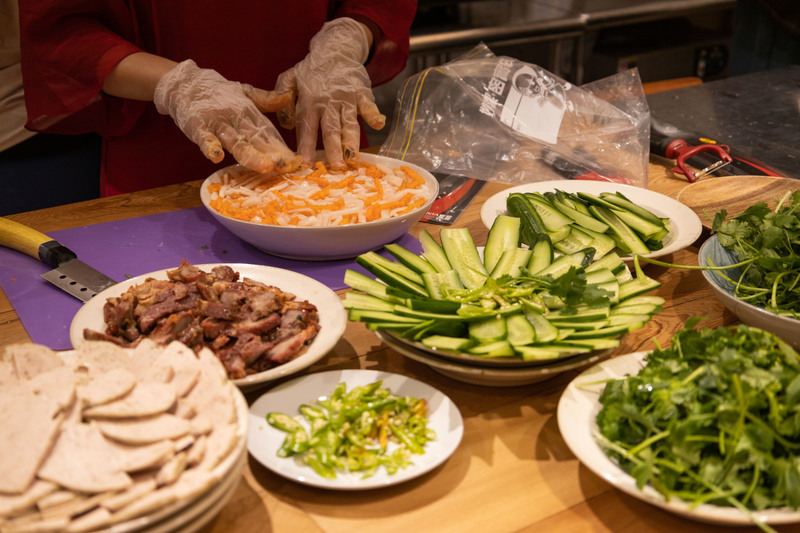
(331, 88)
(216, 113)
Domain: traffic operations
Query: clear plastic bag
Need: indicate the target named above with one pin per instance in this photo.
(500, 119)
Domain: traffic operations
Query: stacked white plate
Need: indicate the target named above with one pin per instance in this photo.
(147, 440)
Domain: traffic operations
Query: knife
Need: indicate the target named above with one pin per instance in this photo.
(69, 274)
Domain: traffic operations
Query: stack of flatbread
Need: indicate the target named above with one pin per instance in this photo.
(101, 435)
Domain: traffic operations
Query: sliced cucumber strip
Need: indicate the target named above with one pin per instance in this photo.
(463, 255)
(503, 235)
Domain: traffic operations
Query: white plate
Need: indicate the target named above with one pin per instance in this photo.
(577, 411)
(492, 377)
(685, 225)
(264, 440)
(332, 316)
(204, 510)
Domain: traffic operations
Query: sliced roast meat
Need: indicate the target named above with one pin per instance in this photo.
(249, 325)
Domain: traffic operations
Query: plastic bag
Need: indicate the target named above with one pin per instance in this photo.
(500, 119)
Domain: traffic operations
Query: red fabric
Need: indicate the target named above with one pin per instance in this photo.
(68, 49)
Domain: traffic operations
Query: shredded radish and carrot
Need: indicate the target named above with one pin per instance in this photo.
(319, 196)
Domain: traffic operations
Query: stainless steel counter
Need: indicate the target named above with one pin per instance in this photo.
(445, 29)
(490, 20)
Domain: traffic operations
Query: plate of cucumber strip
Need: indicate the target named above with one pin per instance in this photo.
(607, 216)
(510, 307)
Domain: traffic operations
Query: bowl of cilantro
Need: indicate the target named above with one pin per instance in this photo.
(761, 293)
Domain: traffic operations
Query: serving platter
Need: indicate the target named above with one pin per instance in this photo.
(492, 377)
(576, 414)
(332, 316)
(264, 440)
(477, 360)
(685, 225)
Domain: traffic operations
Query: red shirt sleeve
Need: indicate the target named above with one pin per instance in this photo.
(67, 50)
(393, 19)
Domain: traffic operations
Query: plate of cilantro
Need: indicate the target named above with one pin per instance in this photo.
(759, 249)
(708, 428)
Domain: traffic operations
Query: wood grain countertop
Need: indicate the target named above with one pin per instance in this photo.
(512, 472)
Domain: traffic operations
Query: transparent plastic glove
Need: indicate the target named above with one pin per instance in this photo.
(331, 88)
(218, 115)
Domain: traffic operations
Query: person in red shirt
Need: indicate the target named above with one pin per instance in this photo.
(101, 66)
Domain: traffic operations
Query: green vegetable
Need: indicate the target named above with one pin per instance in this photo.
(524, 307)
(574, 221)
(771, 241)
(714, 418)
(503, 236)
(767, 244)
(359, 430)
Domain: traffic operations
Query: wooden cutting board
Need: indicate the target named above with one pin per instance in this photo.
(733, 193)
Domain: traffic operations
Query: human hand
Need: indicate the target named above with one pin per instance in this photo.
(330, 88)
(219, 115)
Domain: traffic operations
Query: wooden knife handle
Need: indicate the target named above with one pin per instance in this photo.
(33, 243)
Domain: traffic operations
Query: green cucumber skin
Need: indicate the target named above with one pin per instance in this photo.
(418, 264)
(432, 252)
(503, 235)
(552, 217)
(522, 331)
(519, 206)
(622, 201)
(627, 237)
(463, 255)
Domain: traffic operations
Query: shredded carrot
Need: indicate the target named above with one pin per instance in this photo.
(320, 197)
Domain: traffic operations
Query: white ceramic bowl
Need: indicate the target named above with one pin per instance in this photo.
(786, 328)
(329, 242)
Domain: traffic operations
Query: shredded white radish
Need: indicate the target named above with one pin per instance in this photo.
(319, 196)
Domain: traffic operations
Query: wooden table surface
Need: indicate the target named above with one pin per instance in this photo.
(512, 472)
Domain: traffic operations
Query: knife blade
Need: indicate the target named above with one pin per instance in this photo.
(69, 273)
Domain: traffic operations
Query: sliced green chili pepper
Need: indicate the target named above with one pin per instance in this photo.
(357, 431)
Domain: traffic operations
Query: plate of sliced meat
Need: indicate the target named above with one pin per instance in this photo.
(263, 323)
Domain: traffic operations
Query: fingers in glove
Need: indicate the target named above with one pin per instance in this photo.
(268, 142)
(212, 149)
(370, 113)
(287, 82)
(332, 138)
(267, 157)
(349, 133)
(307, 126)
(268, 101)
(209, 144)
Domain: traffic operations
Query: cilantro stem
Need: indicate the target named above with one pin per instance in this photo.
(691, 377)
(693, 267)
(753, 484)
(733, 501)
(775, 434)
(649, 442)
(616, 448)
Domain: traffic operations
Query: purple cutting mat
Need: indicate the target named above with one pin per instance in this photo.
(132, 247)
